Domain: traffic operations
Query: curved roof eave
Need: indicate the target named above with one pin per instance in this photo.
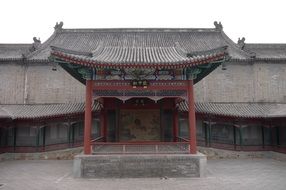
(156, 59)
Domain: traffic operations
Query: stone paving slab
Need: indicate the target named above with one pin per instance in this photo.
(230, 174)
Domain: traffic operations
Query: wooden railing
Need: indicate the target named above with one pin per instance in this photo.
(98, 139)
(182, 139)
(140, 147)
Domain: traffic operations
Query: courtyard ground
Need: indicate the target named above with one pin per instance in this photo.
(262, 174)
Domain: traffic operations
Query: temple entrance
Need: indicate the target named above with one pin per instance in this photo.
(139, 125)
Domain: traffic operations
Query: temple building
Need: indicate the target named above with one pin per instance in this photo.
(131, 90)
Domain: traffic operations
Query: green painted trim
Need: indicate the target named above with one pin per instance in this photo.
(44, 136)
(73, 134)
(37, 138)
(162, 132)
(206, 72)
(85, 72)
(73, 72)
(69, 134)
(117, 122)
(6, 140)
(14, 138)
(234, 137)
(206, 133)
(210, 133)
(81, 73)
(277, 136)
(240, 136)
(263, 136)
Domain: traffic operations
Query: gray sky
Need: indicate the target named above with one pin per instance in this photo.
(259, 21)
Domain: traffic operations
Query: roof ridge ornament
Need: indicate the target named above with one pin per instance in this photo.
(218, 25)
(35, 45)
(58, 26)
(241, 42)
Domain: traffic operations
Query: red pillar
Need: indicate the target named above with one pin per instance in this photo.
(101, 118)
(87, 117)
(192, 118)
(102, 123)
(175, 124)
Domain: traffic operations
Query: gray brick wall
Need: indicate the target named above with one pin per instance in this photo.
(244, 82)
(48, 86)
(37, 83)
(241, 82)
(11, 83)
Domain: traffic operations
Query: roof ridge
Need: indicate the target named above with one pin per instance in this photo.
(137, 29)
(15, 44)
(265, 43)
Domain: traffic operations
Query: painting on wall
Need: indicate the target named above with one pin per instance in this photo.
(139, 125)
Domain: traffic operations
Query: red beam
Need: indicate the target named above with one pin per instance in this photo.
(88, 117)
(126, 85)
(139, 143)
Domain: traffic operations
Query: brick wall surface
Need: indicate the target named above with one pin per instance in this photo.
(241, 82)
(38, 83)
(244, 82)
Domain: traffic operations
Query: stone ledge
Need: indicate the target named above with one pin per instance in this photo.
(213, 153)
(66, 154)
(139, 166)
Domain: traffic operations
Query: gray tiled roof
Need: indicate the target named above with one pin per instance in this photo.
(41, 111)
(244, 110)
(114, 40)
(4, 114)
(140, 56)
(268, 51)
(13, 51)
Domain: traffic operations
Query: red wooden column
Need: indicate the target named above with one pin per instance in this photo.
(175, 124)
(101, 117)
(88, 117)
(192, 118)
(103, 124)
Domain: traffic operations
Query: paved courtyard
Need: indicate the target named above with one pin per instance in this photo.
(222, 174)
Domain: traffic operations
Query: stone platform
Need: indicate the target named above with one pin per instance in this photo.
(139, 165)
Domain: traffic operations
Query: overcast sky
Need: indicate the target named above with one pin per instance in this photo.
(258, 21)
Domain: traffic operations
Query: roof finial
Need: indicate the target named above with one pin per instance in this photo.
(36, 41)
(218, 25)
(35, 45)
(59, 26)
(241, 42)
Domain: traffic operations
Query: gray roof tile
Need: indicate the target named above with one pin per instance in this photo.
(139, 56)
(40, 111)
(244, 110)
(97, 40)
(268, 51)
(13, 51)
